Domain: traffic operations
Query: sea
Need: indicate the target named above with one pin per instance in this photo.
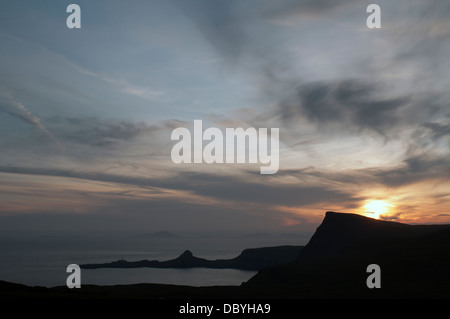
(43, 260)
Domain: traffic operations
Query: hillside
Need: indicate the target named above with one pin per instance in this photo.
(414, 260)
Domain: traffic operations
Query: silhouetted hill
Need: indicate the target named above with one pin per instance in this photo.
(249, 259)
(339, 230)
(414, 260)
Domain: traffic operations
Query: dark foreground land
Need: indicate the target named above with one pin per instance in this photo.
(414, 262)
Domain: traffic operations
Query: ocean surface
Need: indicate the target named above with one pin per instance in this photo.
(42, 260)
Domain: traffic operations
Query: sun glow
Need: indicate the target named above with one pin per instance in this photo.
(376, 208)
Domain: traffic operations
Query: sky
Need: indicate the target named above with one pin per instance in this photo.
(86, 115)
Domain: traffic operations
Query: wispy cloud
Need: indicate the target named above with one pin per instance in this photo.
(221, 187)
(18, 110)
(125, 86)
(98, 132)
(119, 83)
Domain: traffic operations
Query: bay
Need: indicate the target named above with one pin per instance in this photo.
(42, 260)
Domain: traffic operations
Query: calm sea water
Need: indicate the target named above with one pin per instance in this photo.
(42, 261)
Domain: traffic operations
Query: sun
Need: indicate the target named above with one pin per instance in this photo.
(376, 208)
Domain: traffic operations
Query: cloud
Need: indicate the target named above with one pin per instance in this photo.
(345, 103)
(438, 130)
(221, 187)
(415, 169)
(319, 75)
(100, 133)
(220, 23)
(122, 84)
(425, 30)
(241, 189)
(288, 12)
(18, 110)
(145, 92)
(383, 91)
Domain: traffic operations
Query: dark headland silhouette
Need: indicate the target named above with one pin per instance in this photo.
(249, 259)
(414, 262)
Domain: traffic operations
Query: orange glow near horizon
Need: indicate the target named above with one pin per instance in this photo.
(376, 208)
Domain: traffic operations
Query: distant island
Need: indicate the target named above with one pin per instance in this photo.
(249, 259)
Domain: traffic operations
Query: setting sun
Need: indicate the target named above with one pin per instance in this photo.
(376, 208)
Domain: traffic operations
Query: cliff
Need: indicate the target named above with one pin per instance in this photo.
(340, 230)
(414, 260)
